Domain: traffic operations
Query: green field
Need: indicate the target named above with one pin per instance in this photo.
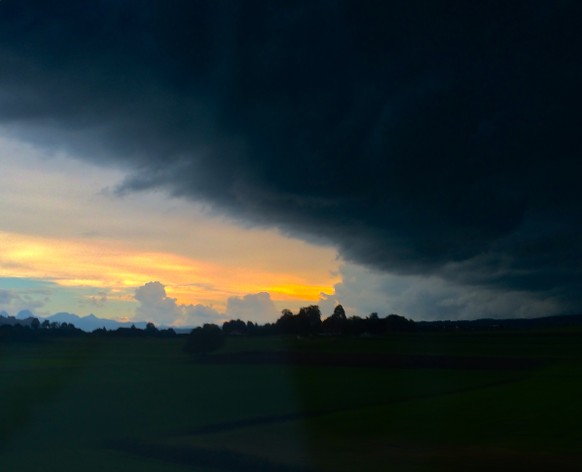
(144, 405)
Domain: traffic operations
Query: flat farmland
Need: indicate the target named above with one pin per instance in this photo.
(410, 402)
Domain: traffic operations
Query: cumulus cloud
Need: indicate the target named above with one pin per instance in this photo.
(420, 138)
(256, 307)
(156, 306)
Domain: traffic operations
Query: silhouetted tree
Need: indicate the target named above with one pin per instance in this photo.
(310, 319)
(151, 329)
(205, 339)
(355, 325)
(17, 333)
(234, 327)
(252, 328)
(286, 323)
(100, 332)
(307, 321)
(339, 313)
(375, 324)
(131, 332)
(399, 323)
(335, 323)
(166, 333)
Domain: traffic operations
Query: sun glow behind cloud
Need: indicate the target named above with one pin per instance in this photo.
(103, 264)
(61, 223)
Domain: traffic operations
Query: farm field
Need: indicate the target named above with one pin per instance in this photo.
(409, 402)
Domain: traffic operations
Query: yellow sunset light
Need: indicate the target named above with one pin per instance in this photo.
(115, 266)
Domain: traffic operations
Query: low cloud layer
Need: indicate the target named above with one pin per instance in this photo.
(364, 291)
(423, 139)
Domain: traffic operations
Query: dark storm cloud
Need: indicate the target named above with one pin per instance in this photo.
(418, 137)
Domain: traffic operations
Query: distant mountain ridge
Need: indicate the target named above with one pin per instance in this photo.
(92, 322)
(22, 319)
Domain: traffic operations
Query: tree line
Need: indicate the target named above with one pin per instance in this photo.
(306, 322)
(35, 331)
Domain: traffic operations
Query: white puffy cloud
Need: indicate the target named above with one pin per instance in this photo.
(361, 292)
(256, 307)
(157, 307)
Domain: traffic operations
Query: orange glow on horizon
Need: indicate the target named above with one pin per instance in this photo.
(116, 266)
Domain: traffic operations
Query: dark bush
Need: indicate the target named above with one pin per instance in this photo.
(206, 339)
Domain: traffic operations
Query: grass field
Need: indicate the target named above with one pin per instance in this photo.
(502, 401)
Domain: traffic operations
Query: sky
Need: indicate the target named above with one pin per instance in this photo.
(196, 161)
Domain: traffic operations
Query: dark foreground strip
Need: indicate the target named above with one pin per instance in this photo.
(237, 462)
(257, 421)
(305, 415)
(201, 457)
(370, 360)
